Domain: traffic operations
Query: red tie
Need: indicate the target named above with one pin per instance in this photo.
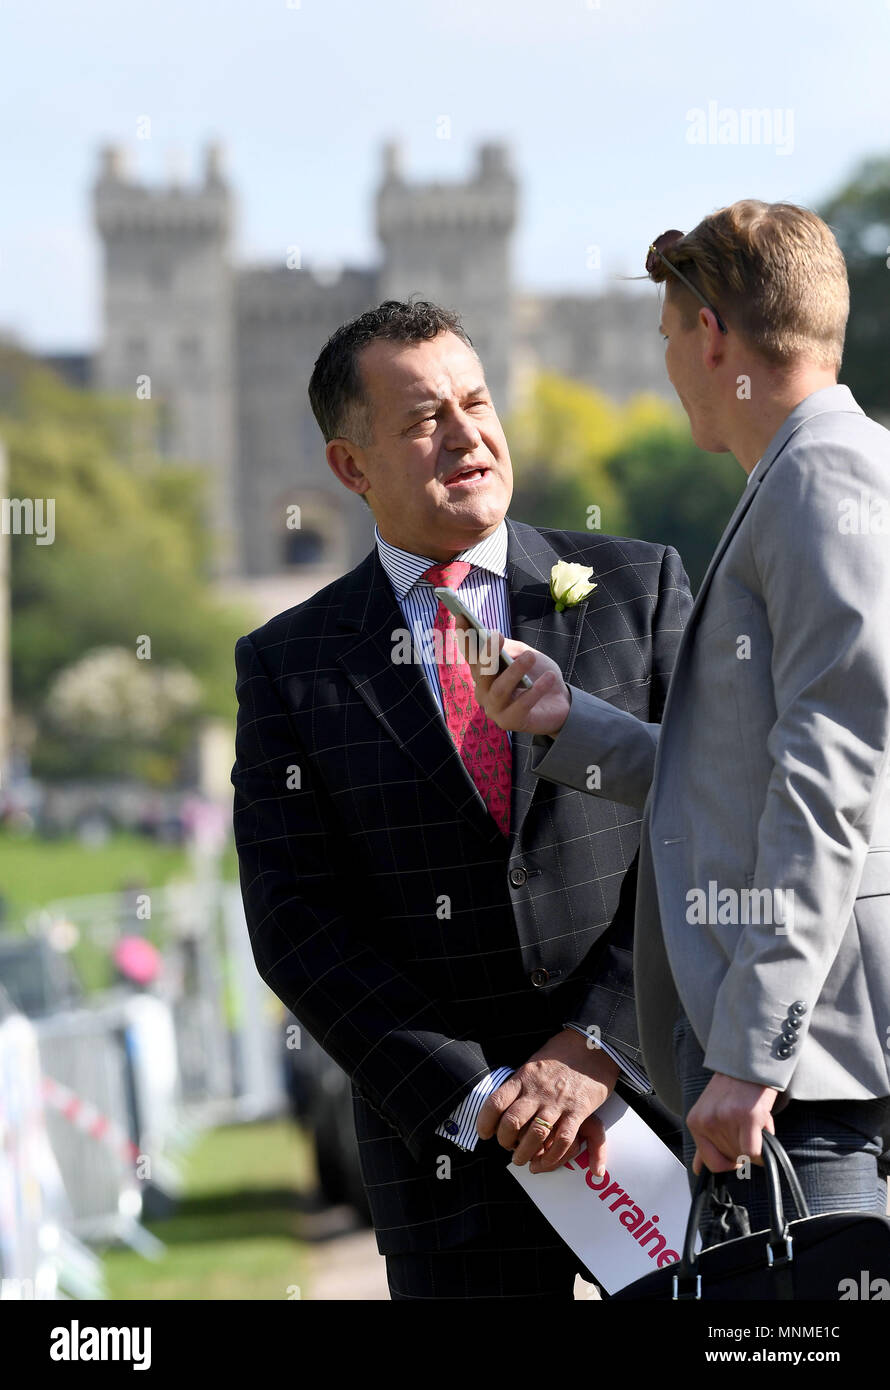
(484, 747)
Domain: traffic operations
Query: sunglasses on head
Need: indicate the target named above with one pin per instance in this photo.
(656, 253)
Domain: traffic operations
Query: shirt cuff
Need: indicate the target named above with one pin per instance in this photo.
(460, 1127)
(633, 1075)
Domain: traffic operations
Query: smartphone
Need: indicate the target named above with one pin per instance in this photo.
(460, 610)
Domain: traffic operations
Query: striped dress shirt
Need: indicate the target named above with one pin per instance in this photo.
(485, 593)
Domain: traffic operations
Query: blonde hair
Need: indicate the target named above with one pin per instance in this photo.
(774, 272)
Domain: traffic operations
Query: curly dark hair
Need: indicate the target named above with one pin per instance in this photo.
(336, 391)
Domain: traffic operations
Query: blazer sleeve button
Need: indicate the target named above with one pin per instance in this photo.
(518, 877)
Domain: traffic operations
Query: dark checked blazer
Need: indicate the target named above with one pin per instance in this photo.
(415, 942)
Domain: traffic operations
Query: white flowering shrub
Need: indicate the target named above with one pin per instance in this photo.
(109, 694)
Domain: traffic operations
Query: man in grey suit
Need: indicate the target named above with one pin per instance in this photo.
(762, 936)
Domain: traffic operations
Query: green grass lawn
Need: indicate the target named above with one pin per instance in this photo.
(35, 871)
(235, 1232)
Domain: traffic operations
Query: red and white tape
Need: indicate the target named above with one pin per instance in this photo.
(84, 1116)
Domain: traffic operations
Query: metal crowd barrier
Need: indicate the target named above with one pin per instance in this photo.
(39, 1257)
(90, 1096)
(119, 1085)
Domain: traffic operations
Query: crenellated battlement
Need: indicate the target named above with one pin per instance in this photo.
(123, 205)
(484, 203)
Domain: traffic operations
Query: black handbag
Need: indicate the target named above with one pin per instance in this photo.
(842, 1255)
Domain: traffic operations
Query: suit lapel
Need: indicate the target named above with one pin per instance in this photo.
(398, 694)
(535, 621)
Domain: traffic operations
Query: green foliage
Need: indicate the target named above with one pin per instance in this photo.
(859, 215)
(559, 440)
(572, 447)
(129, 558)
(677, 494)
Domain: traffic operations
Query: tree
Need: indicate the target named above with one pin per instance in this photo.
(559, 440)
(859, 215)
(127, 560)
(572, 448)
(675, 493)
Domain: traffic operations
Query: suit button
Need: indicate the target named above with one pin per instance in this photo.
(539, 977)
(792, 1023)
(784, 1050)
(789, 1037)
(518, 877)
(798, 1008)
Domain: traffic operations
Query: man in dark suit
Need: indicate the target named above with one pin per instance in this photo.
(456, 933)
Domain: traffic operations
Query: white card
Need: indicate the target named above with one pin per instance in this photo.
(630, 1221)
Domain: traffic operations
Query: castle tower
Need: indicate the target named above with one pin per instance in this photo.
(283, 317)
(168, 316)
(450, 242)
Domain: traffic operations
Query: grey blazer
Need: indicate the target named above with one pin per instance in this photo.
(768, 772)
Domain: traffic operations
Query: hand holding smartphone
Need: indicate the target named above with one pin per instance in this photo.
(460, 610)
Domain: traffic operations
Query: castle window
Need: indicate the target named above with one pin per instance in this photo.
(303, 547)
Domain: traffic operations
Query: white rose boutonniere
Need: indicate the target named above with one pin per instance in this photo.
(570, 584)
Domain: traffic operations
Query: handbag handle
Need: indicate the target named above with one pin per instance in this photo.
(772, 1146)
(775, 1162)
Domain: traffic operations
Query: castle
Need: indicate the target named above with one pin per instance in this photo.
(228, 350)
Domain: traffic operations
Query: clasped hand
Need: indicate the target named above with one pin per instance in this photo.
(564, 1083)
